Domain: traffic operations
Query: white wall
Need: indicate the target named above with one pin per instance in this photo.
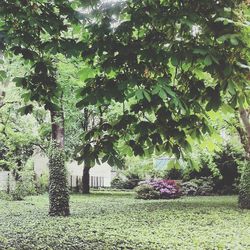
(4, 181)
(103, 170)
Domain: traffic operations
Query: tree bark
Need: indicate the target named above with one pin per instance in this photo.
(85, 180)
(244, 190)
(244, 115)
(58, 183)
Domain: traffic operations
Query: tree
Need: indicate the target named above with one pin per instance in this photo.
(36, 30)
(167, 63)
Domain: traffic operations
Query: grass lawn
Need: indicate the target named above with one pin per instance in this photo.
(118, 221)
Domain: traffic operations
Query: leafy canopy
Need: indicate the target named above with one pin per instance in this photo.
(166, 63)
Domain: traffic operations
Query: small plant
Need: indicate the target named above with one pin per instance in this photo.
(146, 192)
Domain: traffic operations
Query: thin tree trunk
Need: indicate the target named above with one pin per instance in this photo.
(85, 176)
(85, 180)
(58, 183)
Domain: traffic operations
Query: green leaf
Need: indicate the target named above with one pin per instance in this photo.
(3, 74)
(199, 51)
(174, 61)
(147, 96)
(26, 96)
(139, 93)
(208, 60)
(26, 109)
(234, 41)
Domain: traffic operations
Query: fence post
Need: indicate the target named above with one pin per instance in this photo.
(8, 184)
(77, 186)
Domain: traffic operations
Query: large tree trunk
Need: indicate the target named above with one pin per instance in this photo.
(85, 180)
(244, 115)
(58, 183)
(244, 192)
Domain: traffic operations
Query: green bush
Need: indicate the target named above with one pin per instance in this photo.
(202, 186)
(24, 186)
(206, 168)
(146, 192)
(4, 196)
(130, 181)
(18, 193)
(244, 189)
(205, 186)
(173, 174)
(189, 188)
(42, 184)
(228, 161)
(223, 168)
(117, 182)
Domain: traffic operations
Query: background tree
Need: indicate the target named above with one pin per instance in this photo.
(37, 31)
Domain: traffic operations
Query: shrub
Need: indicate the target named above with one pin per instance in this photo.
(206, 168)
(205, 186)
(202, 186)
(228, 162)
(146, 192)
(4, 196)
(167, 189)
(117, 182)
(174, 174)
(130, 181)
(42, 184)
(18, 193)
(189, 188)
(24, 186)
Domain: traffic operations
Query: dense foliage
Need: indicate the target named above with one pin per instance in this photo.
(202, 186)
(244, 193)
(118, 221)
(166, 63)
(162, 64)
(164, 189)
(58, 184)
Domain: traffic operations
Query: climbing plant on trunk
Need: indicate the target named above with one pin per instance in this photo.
(37, 31)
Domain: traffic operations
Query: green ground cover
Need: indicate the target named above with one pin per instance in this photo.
(118, 221)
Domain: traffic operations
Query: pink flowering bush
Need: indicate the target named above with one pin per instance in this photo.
(167, 189)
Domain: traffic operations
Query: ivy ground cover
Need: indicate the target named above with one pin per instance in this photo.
(106, 220)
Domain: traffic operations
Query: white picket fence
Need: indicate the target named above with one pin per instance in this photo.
(7, 181)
